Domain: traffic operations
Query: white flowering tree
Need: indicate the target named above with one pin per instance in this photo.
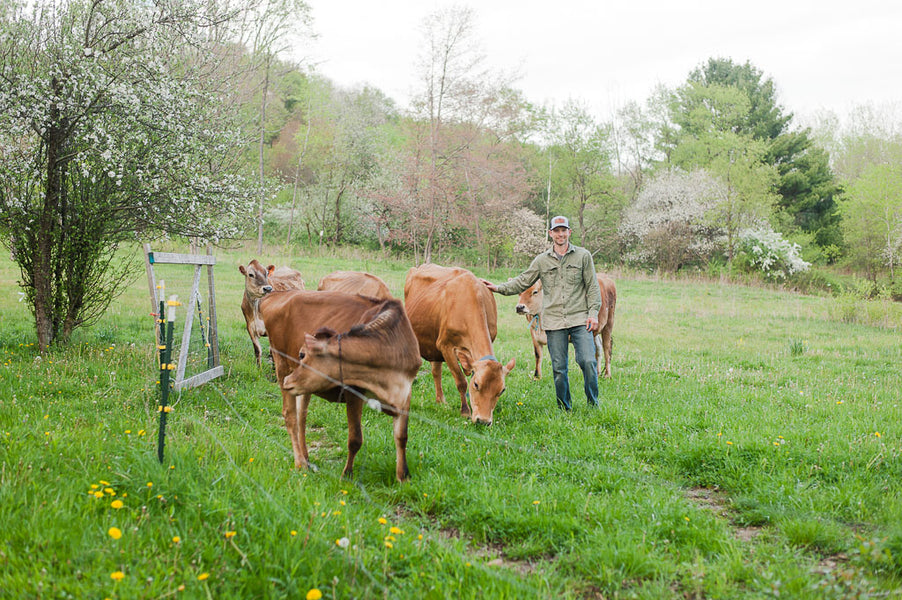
(113, 124)
(668, 224)
(763, 249)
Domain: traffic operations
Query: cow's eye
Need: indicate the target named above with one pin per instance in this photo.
(502, 391)
(476, 385)
(534, 292)
(301, 355)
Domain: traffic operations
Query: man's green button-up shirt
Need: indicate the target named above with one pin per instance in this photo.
(569, 286)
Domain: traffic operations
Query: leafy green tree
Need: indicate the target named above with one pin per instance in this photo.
(806, 188)
(110, 127)
(872, 218)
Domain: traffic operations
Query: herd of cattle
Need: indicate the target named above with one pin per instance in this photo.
(351, 336)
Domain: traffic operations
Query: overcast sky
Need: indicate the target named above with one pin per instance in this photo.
(821, 54)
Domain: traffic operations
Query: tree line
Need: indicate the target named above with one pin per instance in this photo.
(123, 121)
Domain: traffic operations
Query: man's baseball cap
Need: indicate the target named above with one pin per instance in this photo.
(559, 221)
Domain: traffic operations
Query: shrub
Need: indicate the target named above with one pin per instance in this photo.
(764, 250)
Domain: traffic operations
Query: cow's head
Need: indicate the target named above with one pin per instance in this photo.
(313, 361)
(530, 301)
(256, 279)
(486, 385)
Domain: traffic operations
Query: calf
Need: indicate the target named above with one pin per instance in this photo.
(257, 283)
(355, 282)
(376, 351)
(455, 320)
(530, 305)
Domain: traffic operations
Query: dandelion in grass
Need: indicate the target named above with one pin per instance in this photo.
(389, 545)
(149, 484)
(390, 538)
(250, 460)
(536, 502)
(117, 504)
(117, 575)
(98, 494)
(877, 433)
(382, 520)
(203, 576)
(342, 502)
(230, 534)
(115, 533)
(729, 443)
(335, 513)
(314, 594)
(293, 533)
(345, 492)
(141, 432)
(110, 491)
(396, 530)
(176, 539)
(343, 542)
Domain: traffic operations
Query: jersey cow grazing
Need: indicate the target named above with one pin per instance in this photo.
(530, 304)
(257, 283)
(355, 282)
(376, 351)
(455, 320)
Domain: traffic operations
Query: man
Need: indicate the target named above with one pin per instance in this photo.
(572, 300)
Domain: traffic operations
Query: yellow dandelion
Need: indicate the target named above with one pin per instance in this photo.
(729, 443)
(117, 575)
(230, 534)
(419, 537)
(877, 433)
(390, 538)
(141, 432)
(345, 492)
(176, 539)
(98, 494)
(203, 576)
(293, 532)
(314, 594)
(181, 588)
(396, 530)
(389, 544)
(115, 532)
(117, 504)
(382, 520)
(342, 502)
(102, 482)
(536, 501)
(335, 513)
(110, 491)
(127, 431)
(94, 486)
(150, 484)
(250, 460)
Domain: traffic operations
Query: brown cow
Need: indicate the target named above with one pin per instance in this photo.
(377, 351)
(355, 282)
(257, 283)
(455, 320)
(530, 304)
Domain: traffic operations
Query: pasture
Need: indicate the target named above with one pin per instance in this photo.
(747, 446)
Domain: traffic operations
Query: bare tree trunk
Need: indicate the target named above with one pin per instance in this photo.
(297, 175)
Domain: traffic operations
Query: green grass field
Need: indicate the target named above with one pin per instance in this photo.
(748, 446)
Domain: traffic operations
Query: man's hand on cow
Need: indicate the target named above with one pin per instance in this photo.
(489, 285)
(592, 324)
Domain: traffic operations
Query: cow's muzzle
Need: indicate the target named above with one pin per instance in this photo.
(522, 310)
(266, 289)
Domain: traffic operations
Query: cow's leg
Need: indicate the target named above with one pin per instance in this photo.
(537, 351)
(460, 380)
(256, 342)
(355, 432)
(437, 377)
(296, 427)
(607, 341)
(599, 354)
(399, 427)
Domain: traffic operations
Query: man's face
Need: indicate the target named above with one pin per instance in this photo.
(560, 235)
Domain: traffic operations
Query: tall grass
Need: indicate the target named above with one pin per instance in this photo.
(748, 445)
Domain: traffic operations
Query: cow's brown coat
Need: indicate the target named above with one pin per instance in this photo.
(377, 352)
(455, 320)
(257, 283)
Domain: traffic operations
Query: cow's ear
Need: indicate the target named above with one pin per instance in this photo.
(241, 268)
(270, 269)
(508, 367)
(314, 346)
(463, 357)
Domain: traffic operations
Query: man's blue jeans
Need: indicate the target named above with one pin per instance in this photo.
(584, 349)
